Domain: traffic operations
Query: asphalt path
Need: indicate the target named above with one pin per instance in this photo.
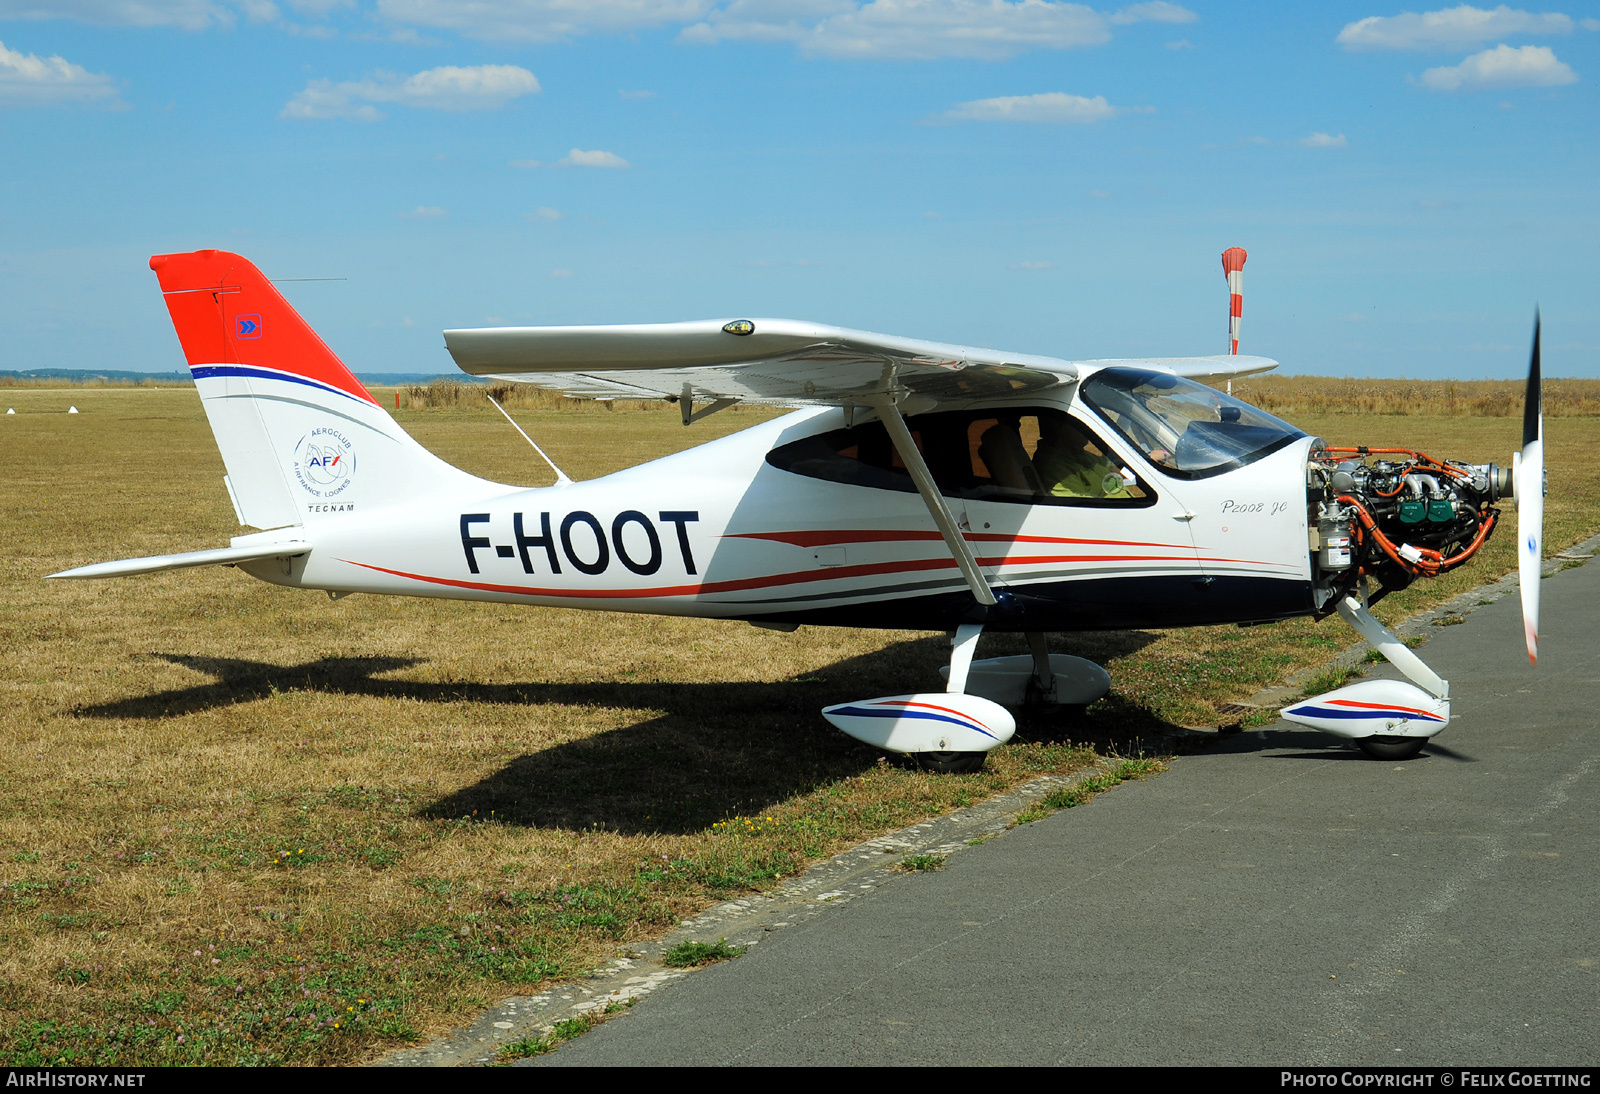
(1278, 899)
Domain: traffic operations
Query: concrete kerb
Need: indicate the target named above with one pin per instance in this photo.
(747, 921)
(744, 922)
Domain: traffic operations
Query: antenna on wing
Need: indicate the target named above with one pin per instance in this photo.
(561, 476)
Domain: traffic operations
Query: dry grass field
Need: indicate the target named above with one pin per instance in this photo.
(1296, 397)
(242, 824)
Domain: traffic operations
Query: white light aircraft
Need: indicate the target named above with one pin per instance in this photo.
(920, 486)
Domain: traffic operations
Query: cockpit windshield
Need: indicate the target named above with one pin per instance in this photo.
(1188, 430)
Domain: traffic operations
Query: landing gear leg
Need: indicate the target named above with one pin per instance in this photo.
(963, 646)
(1042, 688)
(1388, 719)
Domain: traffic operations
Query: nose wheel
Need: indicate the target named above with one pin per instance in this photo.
(950, 763)
(1391, 748)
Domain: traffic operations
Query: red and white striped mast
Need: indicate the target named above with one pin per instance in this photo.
(1233, 269)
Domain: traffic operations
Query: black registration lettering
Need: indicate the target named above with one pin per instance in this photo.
(682, 519)
(543, 539)
(469, 542)
(633, 516)
(602, 560)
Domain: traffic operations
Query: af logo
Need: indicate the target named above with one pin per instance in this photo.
(325, 462)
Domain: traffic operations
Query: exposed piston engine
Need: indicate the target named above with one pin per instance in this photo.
(1395, 514)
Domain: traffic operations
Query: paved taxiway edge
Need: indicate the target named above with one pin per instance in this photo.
(836, 881)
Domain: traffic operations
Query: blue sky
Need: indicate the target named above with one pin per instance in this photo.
(1031, 175)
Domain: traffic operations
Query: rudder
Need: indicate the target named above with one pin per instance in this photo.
(301, 437)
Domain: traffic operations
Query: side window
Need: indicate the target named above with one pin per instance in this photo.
(1035, 456)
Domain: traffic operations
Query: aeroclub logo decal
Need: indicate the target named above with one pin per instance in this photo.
(247, 326)
(325, 462)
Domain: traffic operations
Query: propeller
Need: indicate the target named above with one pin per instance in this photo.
(1527, 474)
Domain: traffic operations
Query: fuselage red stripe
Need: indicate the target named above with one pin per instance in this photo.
(832, 573)
(823, 537)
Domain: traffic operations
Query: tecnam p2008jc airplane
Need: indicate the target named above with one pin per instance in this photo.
(919, 485)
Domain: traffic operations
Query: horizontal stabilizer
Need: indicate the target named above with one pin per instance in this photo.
(224, 556)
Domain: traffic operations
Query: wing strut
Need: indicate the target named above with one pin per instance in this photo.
(896, 425)
(561, 476)
(690, 414)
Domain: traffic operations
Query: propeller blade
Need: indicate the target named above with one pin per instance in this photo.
(1528, 489)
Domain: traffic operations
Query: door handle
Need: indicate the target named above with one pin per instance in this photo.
(1185, 515)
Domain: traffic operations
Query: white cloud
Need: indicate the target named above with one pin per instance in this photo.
(1323, 140)
(1451, 28)
(1589, 24)
(30, 80)
(321, 9)
(636, 94)
(543, 213)
(1159, 11)
(874, 29)
(1033, 265)
(425, 212)
(1052, 106)
(1181, 43)
(1501, 67)
(579, 158)
(989, 30)
(482, 87)
(186, 14)
(560, 273)
(542, 20)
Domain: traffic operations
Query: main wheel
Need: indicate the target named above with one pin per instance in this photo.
(1391, 748)
(950, 763)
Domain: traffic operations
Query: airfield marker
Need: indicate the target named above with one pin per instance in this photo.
(72, 410)
(1233, 269)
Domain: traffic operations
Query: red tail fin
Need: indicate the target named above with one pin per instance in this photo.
(229, 318)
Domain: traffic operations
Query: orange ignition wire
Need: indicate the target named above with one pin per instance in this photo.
(1472, 548)
(1433, 465)
(1427, 565)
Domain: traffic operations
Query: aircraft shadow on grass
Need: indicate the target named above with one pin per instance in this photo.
(718, 750)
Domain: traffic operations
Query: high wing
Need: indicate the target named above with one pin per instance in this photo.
(776, 361)
(782, 362)
(1204, 370)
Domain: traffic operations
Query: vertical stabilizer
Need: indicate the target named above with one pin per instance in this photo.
(302, 439)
